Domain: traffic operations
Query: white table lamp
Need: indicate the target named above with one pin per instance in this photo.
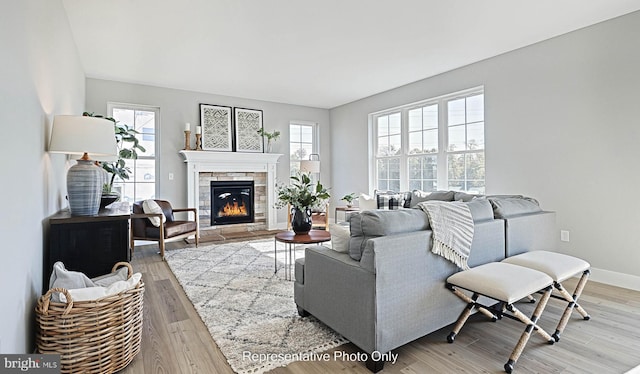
(83, 135)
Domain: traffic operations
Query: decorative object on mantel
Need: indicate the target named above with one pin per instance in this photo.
(270, 136)
(216, 126)
(198, 139)
(83, 135)
(247, 124)
(301, 196)
(187, 136)
(117, 167)
(246, 307)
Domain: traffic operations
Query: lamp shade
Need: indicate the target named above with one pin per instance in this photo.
(84, 135)
(310, 166)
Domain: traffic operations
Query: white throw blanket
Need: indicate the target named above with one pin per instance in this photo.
(452, 227)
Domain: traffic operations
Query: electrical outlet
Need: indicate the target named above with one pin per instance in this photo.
(170, 176)
(564, 235)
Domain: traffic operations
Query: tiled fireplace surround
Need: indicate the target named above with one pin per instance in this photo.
(206, 166)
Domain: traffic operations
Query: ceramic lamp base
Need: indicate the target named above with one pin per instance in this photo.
(84, 188)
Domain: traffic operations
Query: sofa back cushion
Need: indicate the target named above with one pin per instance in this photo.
(481, 209)
(374, 223)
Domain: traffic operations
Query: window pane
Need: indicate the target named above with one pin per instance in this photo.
(307, 134)
(146, 141)
(395, 123)
(394, 185)
(457, 138)
(456, 167)
(456, 112)
(415, 185)
(456, 186)
(415, 119)
(475, 108)
(394, 169)
(476, 187)
(295, 167)
(126, 116)
(475, 166)
(383, 146)
(144, 191)
(145, 171)
(383, 126)
(394, 145)
(475, 136)
(294, 133)
(144, 120)
(383, 170)
(415, 142)
(431, 140)
(430, 117)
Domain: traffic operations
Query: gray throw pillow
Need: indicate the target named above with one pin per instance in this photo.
(108, 279)
(509, 207)
(481, 209)
(67, 279)
(418, 196)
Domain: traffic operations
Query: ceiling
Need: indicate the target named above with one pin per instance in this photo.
(319, 53)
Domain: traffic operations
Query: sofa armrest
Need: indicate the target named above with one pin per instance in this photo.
(530, 232)
(341, 294)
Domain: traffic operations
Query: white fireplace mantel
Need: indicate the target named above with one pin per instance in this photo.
(225, 162)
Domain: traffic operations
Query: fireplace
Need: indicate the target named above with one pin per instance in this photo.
(232, 202)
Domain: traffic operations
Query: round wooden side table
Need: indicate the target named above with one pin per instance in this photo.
(290, 240)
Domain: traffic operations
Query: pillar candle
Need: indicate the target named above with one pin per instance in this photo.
(187, 126)
(198, 130)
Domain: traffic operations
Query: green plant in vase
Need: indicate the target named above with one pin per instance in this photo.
(349, 199)
(128, 147)
(270, 136)
(301, 196)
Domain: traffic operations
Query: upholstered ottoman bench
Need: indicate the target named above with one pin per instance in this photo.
(506, 283)
(559, 267)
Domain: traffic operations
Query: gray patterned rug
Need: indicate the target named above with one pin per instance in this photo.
(248, 309)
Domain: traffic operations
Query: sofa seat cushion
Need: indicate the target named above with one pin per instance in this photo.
(171, 229)
(374, 223)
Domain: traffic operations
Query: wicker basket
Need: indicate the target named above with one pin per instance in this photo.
(98, 336)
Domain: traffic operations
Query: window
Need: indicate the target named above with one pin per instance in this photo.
(433, 144)
(302, 143)
(141, 184)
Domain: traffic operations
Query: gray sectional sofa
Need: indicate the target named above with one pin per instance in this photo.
(389, 288)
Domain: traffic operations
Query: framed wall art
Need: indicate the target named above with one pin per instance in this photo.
(247, 124)
(217, 129)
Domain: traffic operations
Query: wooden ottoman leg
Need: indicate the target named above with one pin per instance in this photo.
(466, 312)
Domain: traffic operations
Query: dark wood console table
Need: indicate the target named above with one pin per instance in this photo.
(90, 244)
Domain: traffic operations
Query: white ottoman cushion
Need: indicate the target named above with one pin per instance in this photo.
(556, 265)
(501, 281)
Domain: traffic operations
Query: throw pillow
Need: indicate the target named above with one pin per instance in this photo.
(340, 235)
(150, 206)
(389, 202)
(366, 202)
(418, 196)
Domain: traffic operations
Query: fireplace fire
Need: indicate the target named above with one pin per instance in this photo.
(232, 202)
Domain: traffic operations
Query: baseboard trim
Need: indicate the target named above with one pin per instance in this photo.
(613, 278)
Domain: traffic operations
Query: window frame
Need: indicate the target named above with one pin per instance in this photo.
(442, 153)
(146, 108)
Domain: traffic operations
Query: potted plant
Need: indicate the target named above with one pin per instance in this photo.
(349, 198)
(300, 195)
(270, 136)
(128, 147)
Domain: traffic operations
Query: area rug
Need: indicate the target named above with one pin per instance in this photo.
(249, 310)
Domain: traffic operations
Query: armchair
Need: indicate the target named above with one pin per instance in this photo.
(170, 230)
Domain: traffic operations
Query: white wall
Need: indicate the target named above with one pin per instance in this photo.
(562, 125)
(41, 77)
(178, 107)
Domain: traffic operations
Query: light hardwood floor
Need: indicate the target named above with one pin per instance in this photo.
(175, 340)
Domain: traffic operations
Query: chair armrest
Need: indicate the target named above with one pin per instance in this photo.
(184, 210)
(145, 215)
